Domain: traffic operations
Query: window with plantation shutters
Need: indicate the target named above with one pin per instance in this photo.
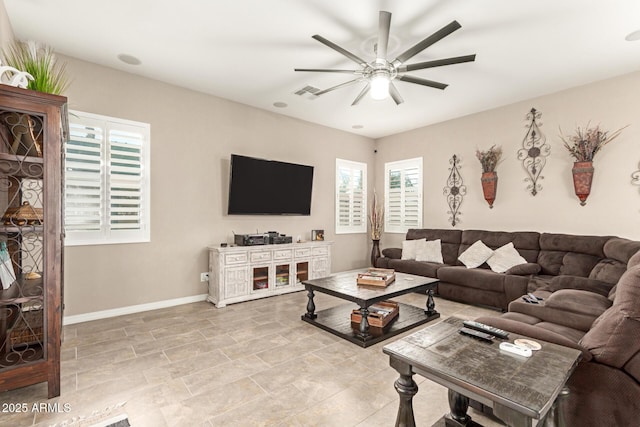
(106, 182)
(351, 197)
(403, 195)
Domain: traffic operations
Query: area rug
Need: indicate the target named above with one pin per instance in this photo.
(112, 416)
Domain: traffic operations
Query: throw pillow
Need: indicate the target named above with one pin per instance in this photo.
(504, 258)
(430, 250)
(409, 248)
(475, 255)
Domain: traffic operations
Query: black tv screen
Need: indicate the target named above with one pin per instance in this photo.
(269, 187)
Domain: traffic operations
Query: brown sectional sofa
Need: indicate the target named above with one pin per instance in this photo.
(590, 290)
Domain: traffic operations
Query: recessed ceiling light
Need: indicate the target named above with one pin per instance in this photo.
(129, 59)
(280, 104)
(634, 36)
(357, 126)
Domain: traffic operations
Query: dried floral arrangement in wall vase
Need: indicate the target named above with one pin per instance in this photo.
(583, 145)
(455, 190)
(489, 159)
(534, 152)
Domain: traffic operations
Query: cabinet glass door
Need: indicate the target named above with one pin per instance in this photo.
(22, 296)
(260, 278)
(283, 272)
(302, 271)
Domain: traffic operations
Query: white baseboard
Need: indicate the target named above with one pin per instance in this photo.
(104, 314)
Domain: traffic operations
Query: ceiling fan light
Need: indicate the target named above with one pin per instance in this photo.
(379, 87)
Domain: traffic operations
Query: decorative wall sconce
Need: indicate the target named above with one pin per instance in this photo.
(534, 152)
(455, 190)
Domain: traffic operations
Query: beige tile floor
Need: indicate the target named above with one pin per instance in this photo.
(249, 364)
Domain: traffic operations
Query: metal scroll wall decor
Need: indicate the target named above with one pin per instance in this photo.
(455, 190)
(635, 177)
(534, 152)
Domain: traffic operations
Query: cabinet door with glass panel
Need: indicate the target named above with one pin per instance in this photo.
(32, 127)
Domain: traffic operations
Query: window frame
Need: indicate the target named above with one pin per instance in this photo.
(107, 234)
(403, 166)
(353, 227)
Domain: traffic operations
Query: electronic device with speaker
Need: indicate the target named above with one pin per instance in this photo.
(251, 239)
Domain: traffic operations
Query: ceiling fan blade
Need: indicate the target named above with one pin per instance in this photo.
(326, 70)
(341, 85)
(423, 82)
(437, 63)
(383, 36)
(419, 47)
(345, 52)
(393, 91)
(361, 95)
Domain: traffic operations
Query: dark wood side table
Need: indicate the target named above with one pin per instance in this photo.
(519, 389)
(337, 320)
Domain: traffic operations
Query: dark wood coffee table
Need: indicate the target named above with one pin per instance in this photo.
(337, 320)
(518, 389)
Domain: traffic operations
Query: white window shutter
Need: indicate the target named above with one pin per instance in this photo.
(403, 198)
(351, 197)
(106, 180)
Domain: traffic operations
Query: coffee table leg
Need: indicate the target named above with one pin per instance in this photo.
(311, 307)
(406, 388)
(431, 304)
(364, 323)
(459, 405)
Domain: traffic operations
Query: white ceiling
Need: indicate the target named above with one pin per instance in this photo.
(246, 50)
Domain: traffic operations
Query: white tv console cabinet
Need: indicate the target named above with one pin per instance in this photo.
(243, 273)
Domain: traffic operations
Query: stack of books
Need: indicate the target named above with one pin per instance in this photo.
(377, 277)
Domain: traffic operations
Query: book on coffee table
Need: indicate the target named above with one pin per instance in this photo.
(377, 277)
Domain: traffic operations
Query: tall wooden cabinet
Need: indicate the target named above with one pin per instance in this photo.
(32, 128)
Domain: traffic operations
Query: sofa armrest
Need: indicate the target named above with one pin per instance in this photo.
(580, 283)
(524, 269)
(393, 253)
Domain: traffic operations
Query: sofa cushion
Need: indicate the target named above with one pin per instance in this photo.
(478, 278)
(559, 312)
(533, 331)
(409, 248)
(578, 301)
(576, 264)
(504, 258)
(419, 268)
(554, 247)
(608, 270)
(430, 251)
(524, 269)
(613, 338)
(621, 249)
(634, 260)
(476, 255)
(583, 283)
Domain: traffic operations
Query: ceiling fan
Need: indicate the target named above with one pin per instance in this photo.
(380, 73)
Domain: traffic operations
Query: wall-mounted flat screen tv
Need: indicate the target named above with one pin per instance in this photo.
(269, 187)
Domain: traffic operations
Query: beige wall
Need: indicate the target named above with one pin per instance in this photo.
(6, 32)
(614, 205)
(192, 137)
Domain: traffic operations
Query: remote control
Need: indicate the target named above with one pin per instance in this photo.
(532, 296)
(515, 349)
(529, 300)
(485, 328)
(476, 334)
